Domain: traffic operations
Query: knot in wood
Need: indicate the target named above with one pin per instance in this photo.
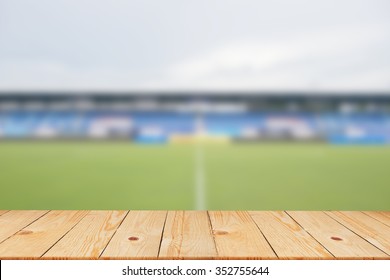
(133, 238)
(336, 238)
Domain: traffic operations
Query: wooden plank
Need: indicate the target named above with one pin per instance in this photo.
(187, 235)
(194, 235)
(367, 227)
(238, 237)
(138, 237)
(34, 240)
(287, 238)
(89, 237)
(337, 239)
(13, 221)
(383, 217)
(3, 212)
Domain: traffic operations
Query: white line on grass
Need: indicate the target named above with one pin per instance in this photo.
(200, 182)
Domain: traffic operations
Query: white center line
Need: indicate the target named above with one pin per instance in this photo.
(200, 183)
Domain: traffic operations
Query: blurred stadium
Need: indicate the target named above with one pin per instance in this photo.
(194, 150)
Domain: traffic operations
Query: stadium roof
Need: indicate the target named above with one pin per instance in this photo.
(194, 93)
(184, 95)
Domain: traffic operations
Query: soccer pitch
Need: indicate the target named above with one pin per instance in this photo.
(111, 175)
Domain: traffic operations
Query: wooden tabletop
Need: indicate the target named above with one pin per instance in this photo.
(37, 234)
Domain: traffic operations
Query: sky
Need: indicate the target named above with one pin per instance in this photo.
(312, 45)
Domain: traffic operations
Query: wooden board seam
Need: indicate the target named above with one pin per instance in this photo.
(162, 234)
(357, 233)
(5, 211)
(112, 236)
(212, 233)
(63, 235)
(310, 234)
(44, 214)
(264, 236)
(367, 214)
(360, 232)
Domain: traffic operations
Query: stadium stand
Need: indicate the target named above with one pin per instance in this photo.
(160, 118)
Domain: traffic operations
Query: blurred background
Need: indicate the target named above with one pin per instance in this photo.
(195, 105)
(188, 117)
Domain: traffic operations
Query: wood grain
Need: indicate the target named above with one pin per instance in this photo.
(3, 211)
(194, 235)
(13, 221)
(34, 240)
(187, 234)
(367, 227)
(383, 217)
(138, 237)
(89, 237)
(340, 241)
(287, 238)
(237, 236)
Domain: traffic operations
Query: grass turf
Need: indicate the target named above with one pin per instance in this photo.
(85, 175)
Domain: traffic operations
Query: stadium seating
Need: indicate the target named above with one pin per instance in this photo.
(158, 127)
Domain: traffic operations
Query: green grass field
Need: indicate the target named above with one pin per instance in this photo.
(84, 175)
